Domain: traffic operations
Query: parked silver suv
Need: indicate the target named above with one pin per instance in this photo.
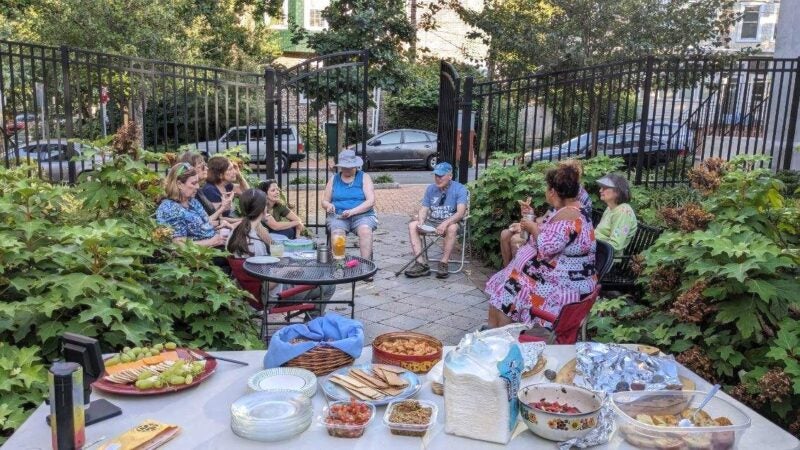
(252, 138)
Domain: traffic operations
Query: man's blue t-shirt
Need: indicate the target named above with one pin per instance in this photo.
(443, 204)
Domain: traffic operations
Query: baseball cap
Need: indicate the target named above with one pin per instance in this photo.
(606, 182)
(443, 168)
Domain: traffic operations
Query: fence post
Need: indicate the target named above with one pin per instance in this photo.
(466, 120)
(269, 105)
(648, 85)
(365, 60)
(787, 153)
(68, 114)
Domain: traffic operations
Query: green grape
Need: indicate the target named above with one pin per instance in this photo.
(175, 379)
(159, 383)
(147, 383)
(126, 349)
(196, 370)
(125, 358)
(136, 349)
(144, 375)
(189, 379)
(170, 346)
(114, 360)
(158, 347)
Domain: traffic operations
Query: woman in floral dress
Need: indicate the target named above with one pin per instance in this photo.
(555, 267)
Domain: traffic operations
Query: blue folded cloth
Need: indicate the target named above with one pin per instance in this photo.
(331, 329)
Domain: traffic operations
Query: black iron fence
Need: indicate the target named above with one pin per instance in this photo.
(662, 116)
(282, 118)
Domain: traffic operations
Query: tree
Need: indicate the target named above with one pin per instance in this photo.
(525, 36)
(378, 26)
(221, 33)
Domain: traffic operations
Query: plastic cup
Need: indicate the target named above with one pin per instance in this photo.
(276, 249)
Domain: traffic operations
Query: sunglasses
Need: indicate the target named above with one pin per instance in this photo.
(182, 168)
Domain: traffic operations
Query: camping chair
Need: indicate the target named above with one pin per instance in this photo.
(262, 302)
(566, 324)
(463, 235)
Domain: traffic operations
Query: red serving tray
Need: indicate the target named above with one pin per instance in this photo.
(129, 389)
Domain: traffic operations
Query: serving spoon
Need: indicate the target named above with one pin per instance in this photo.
(686, 423)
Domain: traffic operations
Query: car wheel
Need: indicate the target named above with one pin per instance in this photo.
(282, 161)
(367, 164)
(431, 162)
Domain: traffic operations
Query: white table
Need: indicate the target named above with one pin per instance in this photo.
(203, 413)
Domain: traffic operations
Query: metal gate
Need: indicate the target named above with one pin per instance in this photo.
(449, 102)
(313, 111)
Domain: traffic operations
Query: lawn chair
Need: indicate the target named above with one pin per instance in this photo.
(267, 306)
(566, 324)
(621, 276)
(463, 234)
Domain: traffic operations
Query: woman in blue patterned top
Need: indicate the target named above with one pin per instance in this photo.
(182, 212)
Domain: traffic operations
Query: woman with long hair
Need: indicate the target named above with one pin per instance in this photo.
(182, 212)
(223, 182)
(279, 218)
(250, 238)
(215, 214)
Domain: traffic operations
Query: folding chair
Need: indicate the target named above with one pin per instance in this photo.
(566, 324)
(262, 303)
(463, 235)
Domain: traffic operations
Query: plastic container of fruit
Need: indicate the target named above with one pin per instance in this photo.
(332, 420)
(630, 404)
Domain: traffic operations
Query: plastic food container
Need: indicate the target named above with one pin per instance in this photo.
(297, 245)
(413, 363)
(627, 405)
(409, 429)
(345, 430)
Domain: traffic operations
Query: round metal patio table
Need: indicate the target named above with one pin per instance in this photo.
(292, 271)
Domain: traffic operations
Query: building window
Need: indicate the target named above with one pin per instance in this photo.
(282, 22)
(750, 18)
(313, 13)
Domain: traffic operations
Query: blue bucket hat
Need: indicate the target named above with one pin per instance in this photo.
(443, 168)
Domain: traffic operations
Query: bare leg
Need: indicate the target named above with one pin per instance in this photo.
(416, 241)
(516, 243)
(365, 241)
(449, 241)
(505, 246)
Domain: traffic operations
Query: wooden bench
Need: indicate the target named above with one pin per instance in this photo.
(621, 276)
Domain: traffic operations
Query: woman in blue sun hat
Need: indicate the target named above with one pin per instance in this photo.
(349, 200)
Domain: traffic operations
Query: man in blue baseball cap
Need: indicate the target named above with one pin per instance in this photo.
(443, 207)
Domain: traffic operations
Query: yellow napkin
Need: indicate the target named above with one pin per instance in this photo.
(147, 435)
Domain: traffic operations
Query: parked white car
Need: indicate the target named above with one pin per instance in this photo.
(252, 138)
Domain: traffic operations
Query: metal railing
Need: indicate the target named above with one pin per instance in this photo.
(283, 118)
(662, 116)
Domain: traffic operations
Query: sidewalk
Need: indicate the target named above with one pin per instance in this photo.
(446, 309)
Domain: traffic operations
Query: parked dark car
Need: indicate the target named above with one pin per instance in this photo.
(400, 148)
(619, 144)
(675, 134)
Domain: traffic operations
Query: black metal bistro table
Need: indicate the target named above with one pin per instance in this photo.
(292, 271)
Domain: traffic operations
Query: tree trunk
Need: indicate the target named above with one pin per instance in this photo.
(412, 17)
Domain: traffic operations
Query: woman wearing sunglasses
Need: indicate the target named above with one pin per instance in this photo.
(182, 212)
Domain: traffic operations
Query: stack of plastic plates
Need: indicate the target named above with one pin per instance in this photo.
(271, 416)
(284, 379)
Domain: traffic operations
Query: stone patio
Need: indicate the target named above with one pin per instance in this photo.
(445, 308)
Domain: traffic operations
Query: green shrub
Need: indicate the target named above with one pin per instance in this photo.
(314, 139)
(647, 202)
(384, 178)
(302, 179)
(720, 289)
(24, 382)
(90, 259)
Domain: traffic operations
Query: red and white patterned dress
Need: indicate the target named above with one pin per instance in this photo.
(555, 269)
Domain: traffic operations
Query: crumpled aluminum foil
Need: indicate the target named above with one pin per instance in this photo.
(531, 352)
(601, 367)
